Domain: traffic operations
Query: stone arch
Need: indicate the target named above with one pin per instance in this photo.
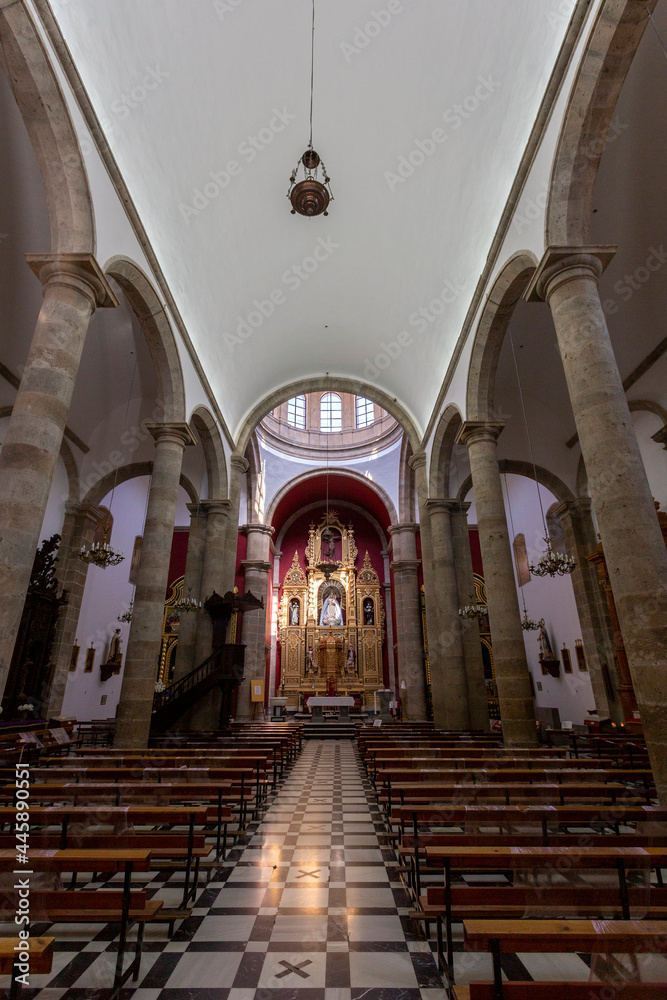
(157, 330)
(203, 422)
(133, 470)
(406, 484)
(327, 383)
(51, 131)
(345, 473)
(507, 289)
(648, 404)
(441, 453)
(617, 32)
(514, 467)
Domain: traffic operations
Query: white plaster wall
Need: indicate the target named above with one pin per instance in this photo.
(548, 598)
(108, 592)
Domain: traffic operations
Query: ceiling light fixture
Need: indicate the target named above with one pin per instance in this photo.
(311, 195)
(550, 563)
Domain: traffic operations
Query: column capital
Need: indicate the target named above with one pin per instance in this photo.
(405, 565)
(196, 509)
(215, 507)
(178, 432)
(259, 565)
(258, 527)
(560, 264)
(418, 460)
(436, 505)
(83, 509)
(579, 507)
(78, 269)
(238, 462)
(473, 431)
(409, 526)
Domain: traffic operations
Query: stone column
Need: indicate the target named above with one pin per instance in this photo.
(567, 279)
(78, 529)
(512, 678)
(73, 286)
(408, 618)
(580, 541)
(256, 567)
(213, 572)
(187, 629)
(445, 641)
(472, 648)
(133, 720)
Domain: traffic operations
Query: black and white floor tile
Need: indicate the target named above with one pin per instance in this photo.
(308, 906)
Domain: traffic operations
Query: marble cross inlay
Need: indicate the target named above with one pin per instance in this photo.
(289, 968)
(312, 874)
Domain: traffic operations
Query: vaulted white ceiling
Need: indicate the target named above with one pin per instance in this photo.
(267, 297)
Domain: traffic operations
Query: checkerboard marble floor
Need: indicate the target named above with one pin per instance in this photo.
(309, 906)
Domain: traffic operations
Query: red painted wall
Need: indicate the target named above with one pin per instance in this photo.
(179, 549)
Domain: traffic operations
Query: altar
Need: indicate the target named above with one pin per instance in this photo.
(317, 704)
(331, 620)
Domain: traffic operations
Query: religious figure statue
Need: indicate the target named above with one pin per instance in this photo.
(311, 669)
(329, 540)
(369, 612)
(115, 652)
(350, 663)
(294, 611)
(331, 611)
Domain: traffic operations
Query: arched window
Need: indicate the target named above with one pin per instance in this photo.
(296, 412)
(365, 412)
(331, 412)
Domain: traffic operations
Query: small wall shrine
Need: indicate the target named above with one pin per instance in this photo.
(331, 619)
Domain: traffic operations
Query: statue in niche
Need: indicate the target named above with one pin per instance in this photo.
(294, 611)
(329, 545)
(369, 611)
(350, 663)
(331, 611)
(311, 669)
(115, 652)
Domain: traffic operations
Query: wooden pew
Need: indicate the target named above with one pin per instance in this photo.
(114, 860)
(563, 936)
(120, 817)
(40, 959)
(557, 859)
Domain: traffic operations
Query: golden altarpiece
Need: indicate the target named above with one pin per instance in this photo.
(331, 619)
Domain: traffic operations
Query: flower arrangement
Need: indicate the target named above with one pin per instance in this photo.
(160, 686)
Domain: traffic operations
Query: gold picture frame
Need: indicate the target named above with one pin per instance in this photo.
(74, 658)
(567, 660)
(581, 655)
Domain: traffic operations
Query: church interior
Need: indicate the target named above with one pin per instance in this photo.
(333, 500)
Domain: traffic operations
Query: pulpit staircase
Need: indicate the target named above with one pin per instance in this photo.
(223, 669)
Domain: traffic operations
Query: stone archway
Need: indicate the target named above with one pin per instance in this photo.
(157, 330)
(52, 134)
(507, 290)
(444, 440)
(214, 454)
(327, 382)
(616, 34)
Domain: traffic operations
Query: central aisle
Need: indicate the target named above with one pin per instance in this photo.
(315, 897)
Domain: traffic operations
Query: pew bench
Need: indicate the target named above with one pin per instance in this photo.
(563, 936)
(40, 952)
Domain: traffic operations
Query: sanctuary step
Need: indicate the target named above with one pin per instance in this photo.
(329, 730)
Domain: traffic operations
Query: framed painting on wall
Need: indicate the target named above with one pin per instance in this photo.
(567, 660)
(90, 659)
(580, 654)
(74, 658)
